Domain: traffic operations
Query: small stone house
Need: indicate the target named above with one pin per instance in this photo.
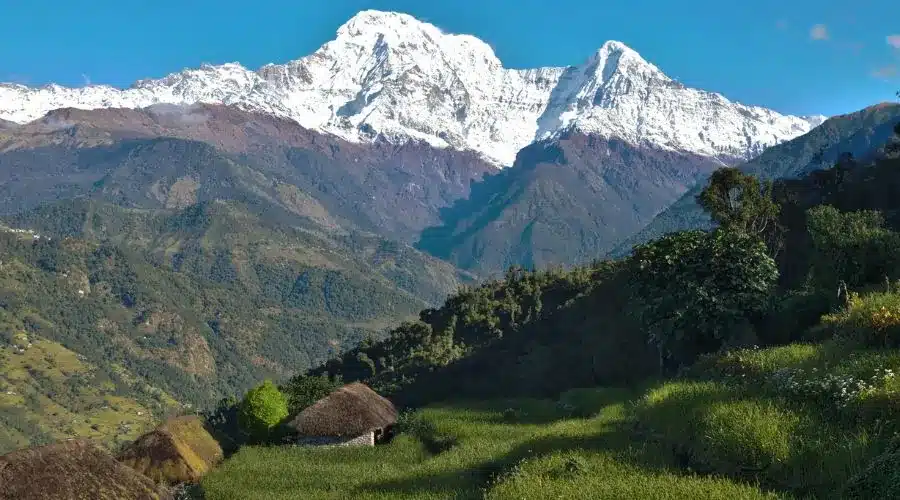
(353, 415)
(72, 469)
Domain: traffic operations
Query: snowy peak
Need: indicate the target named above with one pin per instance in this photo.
(614, 58)
(389, 75)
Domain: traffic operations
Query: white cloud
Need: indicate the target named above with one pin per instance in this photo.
(885, 72)
(819, 32)
(894, 41)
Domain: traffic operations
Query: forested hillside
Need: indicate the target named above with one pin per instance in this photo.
(200, 303)
(538, 333)
(755, 360)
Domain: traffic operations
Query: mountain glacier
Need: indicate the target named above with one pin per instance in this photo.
(391, 76)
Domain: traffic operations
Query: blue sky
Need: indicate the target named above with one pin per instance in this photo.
(795, 56)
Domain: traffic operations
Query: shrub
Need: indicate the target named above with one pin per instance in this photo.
(262, 408)
(222, 423)
(871, 320)
(793, 314)
(880, 479)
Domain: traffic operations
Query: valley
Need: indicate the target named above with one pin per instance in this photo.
(520, 260)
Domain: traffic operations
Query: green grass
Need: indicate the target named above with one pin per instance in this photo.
(499, 449)
(723, 431)
(806, 420)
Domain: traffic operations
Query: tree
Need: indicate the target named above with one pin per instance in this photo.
(739, 202)
(694, 290)
(262, 408)
(304, 390)
(853, 247)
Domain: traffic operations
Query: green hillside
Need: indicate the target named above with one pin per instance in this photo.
(201, 302)
(751, 424)
(49, 393)
(757, 360)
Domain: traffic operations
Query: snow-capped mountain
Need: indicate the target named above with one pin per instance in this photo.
(391, 75)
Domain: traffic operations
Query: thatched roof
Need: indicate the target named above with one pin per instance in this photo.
(178, 451)
(349, 411)
(72, 470)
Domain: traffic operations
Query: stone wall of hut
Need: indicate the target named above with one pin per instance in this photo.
(367, 439)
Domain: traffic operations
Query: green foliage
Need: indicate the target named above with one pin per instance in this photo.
(536, 332)
(736, 431)
(304, 390)
(740, 202)
(262, 409)
(695, 290)
(224, 425)
(203, 302)
(880, 479)
(870, 320)
(853, 247)
(792, 315)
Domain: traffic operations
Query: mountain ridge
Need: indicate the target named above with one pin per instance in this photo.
(860, 133)
(388, 75)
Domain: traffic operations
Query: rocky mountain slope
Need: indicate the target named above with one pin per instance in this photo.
(388, 76)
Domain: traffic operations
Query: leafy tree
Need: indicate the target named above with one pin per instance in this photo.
(304, 390)
(262, 408)
(222, 423)
(739, 202)
(694, 290)
(852, 247)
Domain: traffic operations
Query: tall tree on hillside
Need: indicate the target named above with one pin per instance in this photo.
(740, 202)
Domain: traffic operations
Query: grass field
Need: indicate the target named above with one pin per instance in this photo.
(773, 423)
(471, 451)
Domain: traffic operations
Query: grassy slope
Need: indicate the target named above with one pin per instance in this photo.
(470, 450)
(49, 393)
(771, 423)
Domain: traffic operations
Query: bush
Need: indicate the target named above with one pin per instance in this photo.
(793, 315)
(871, 320)
(881, 479)
(222, 423)
(262, 408)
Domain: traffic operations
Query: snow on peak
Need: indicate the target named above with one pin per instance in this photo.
(391, 75)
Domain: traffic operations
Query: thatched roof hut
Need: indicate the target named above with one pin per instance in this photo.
(178, 451)
(72, 470)
(351, 411)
